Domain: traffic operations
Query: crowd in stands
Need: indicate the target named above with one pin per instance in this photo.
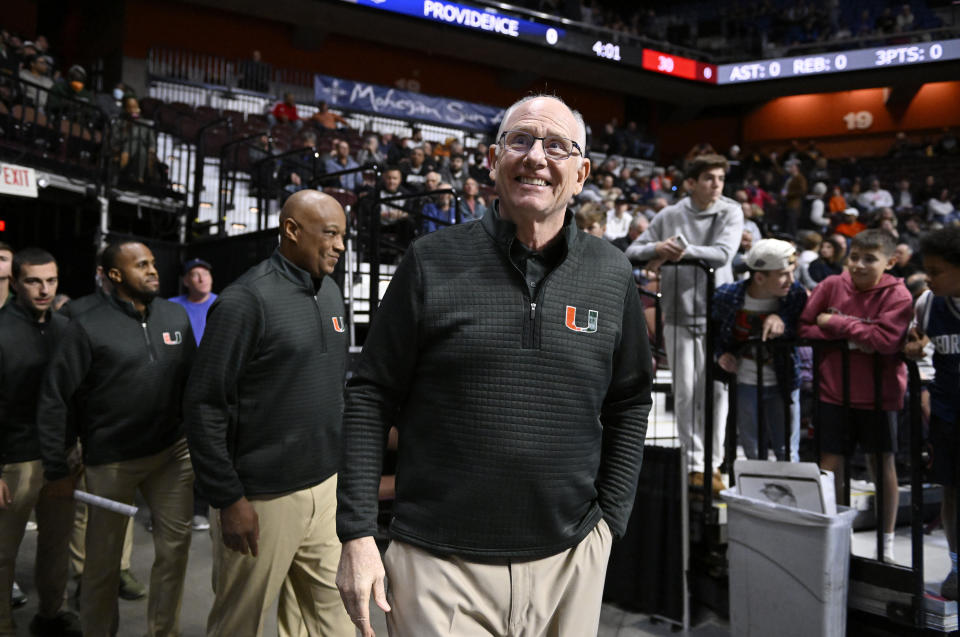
(764, 25)
(39, 99)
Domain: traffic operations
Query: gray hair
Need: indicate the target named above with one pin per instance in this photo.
(581, 137)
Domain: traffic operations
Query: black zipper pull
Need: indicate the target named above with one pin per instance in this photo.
(533, 310)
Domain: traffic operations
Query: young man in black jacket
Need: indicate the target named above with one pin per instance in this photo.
(121, 368)
(512, 356)
(264, 409)
(29, 332)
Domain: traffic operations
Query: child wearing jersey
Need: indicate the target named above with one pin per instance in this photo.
(938, 322)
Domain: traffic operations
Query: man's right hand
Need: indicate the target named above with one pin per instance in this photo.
(728, 363)
(360, 572)
(61, 488)
(5, 496)
(240, 527)
(669, 250)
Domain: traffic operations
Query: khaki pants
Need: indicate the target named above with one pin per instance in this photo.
(77, 538)
(557, 596)
(54, 517)
(166, 481)
(298, 543)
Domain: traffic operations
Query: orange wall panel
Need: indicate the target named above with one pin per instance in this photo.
(842, 114)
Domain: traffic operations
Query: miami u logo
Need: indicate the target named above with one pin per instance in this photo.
(592, 317)
(338, 323)
(172, 339)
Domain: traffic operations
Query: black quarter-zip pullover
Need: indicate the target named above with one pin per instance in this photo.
(265, 399)
(26, 346)
(123, 374)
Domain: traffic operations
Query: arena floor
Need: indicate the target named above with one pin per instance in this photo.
(198, 595)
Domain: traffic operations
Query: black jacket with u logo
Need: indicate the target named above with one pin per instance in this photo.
(122, 375)
(522, 409)
(26, 346)
(265, 398)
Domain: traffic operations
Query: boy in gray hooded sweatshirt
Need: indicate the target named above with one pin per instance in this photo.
(704, 226)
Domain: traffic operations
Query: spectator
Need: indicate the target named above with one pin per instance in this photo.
(618, 220)
(902, 198)
(65, 95)
(36, 74)
(135, 147)
(285, 112)
(198, 281)
(712, 227)
(904, 266)
(254, 74)
(818, 216)
(343, 161)
(838, 203)
(370, 153)
(415, 169)
(871, 310)
(262, 169)
(829, 262)
(439, 212)
(766, 306)
(394, 213)
(638, 226)
(905, 19)
(300, 171)
(456, 172)
(941, 208)
(849, 224)
(930, 190)
(326, 118)
(112, 103)
(875, 198)
(472, 206)
(794, 193)
(810, 244)
(432, 181)
(937, 320)
(592, 219)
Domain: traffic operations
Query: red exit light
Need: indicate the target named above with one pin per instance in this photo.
(678, 66)
(3, 225)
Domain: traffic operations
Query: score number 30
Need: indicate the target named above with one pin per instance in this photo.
(607, 50)
(858, 121)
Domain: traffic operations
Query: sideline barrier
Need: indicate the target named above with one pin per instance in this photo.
(877, 572)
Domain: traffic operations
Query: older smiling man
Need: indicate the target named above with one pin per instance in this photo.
(512, 356)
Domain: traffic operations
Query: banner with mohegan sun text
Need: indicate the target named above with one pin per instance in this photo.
(391, 102)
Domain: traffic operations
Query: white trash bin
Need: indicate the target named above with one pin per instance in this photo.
(789, 569)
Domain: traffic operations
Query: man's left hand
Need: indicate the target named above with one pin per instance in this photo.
(823, 318)
(61, 488)
(772, 327)
(5, 496)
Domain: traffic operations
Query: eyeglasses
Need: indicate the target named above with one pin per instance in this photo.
(554, 147)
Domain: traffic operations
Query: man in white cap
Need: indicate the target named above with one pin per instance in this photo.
(764, 307)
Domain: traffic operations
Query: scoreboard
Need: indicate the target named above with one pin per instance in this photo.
(569, 37)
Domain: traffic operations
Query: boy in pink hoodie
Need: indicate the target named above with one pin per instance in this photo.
(872, 311)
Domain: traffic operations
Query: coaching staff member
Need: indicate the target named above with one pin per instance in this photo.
(512, 355)
(121, 366)
(29, 332)
(264, 415)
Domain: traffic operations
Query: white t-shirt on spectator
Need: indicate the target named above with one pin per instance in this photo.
(873, 199)
(939, 208)
(617, 226)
